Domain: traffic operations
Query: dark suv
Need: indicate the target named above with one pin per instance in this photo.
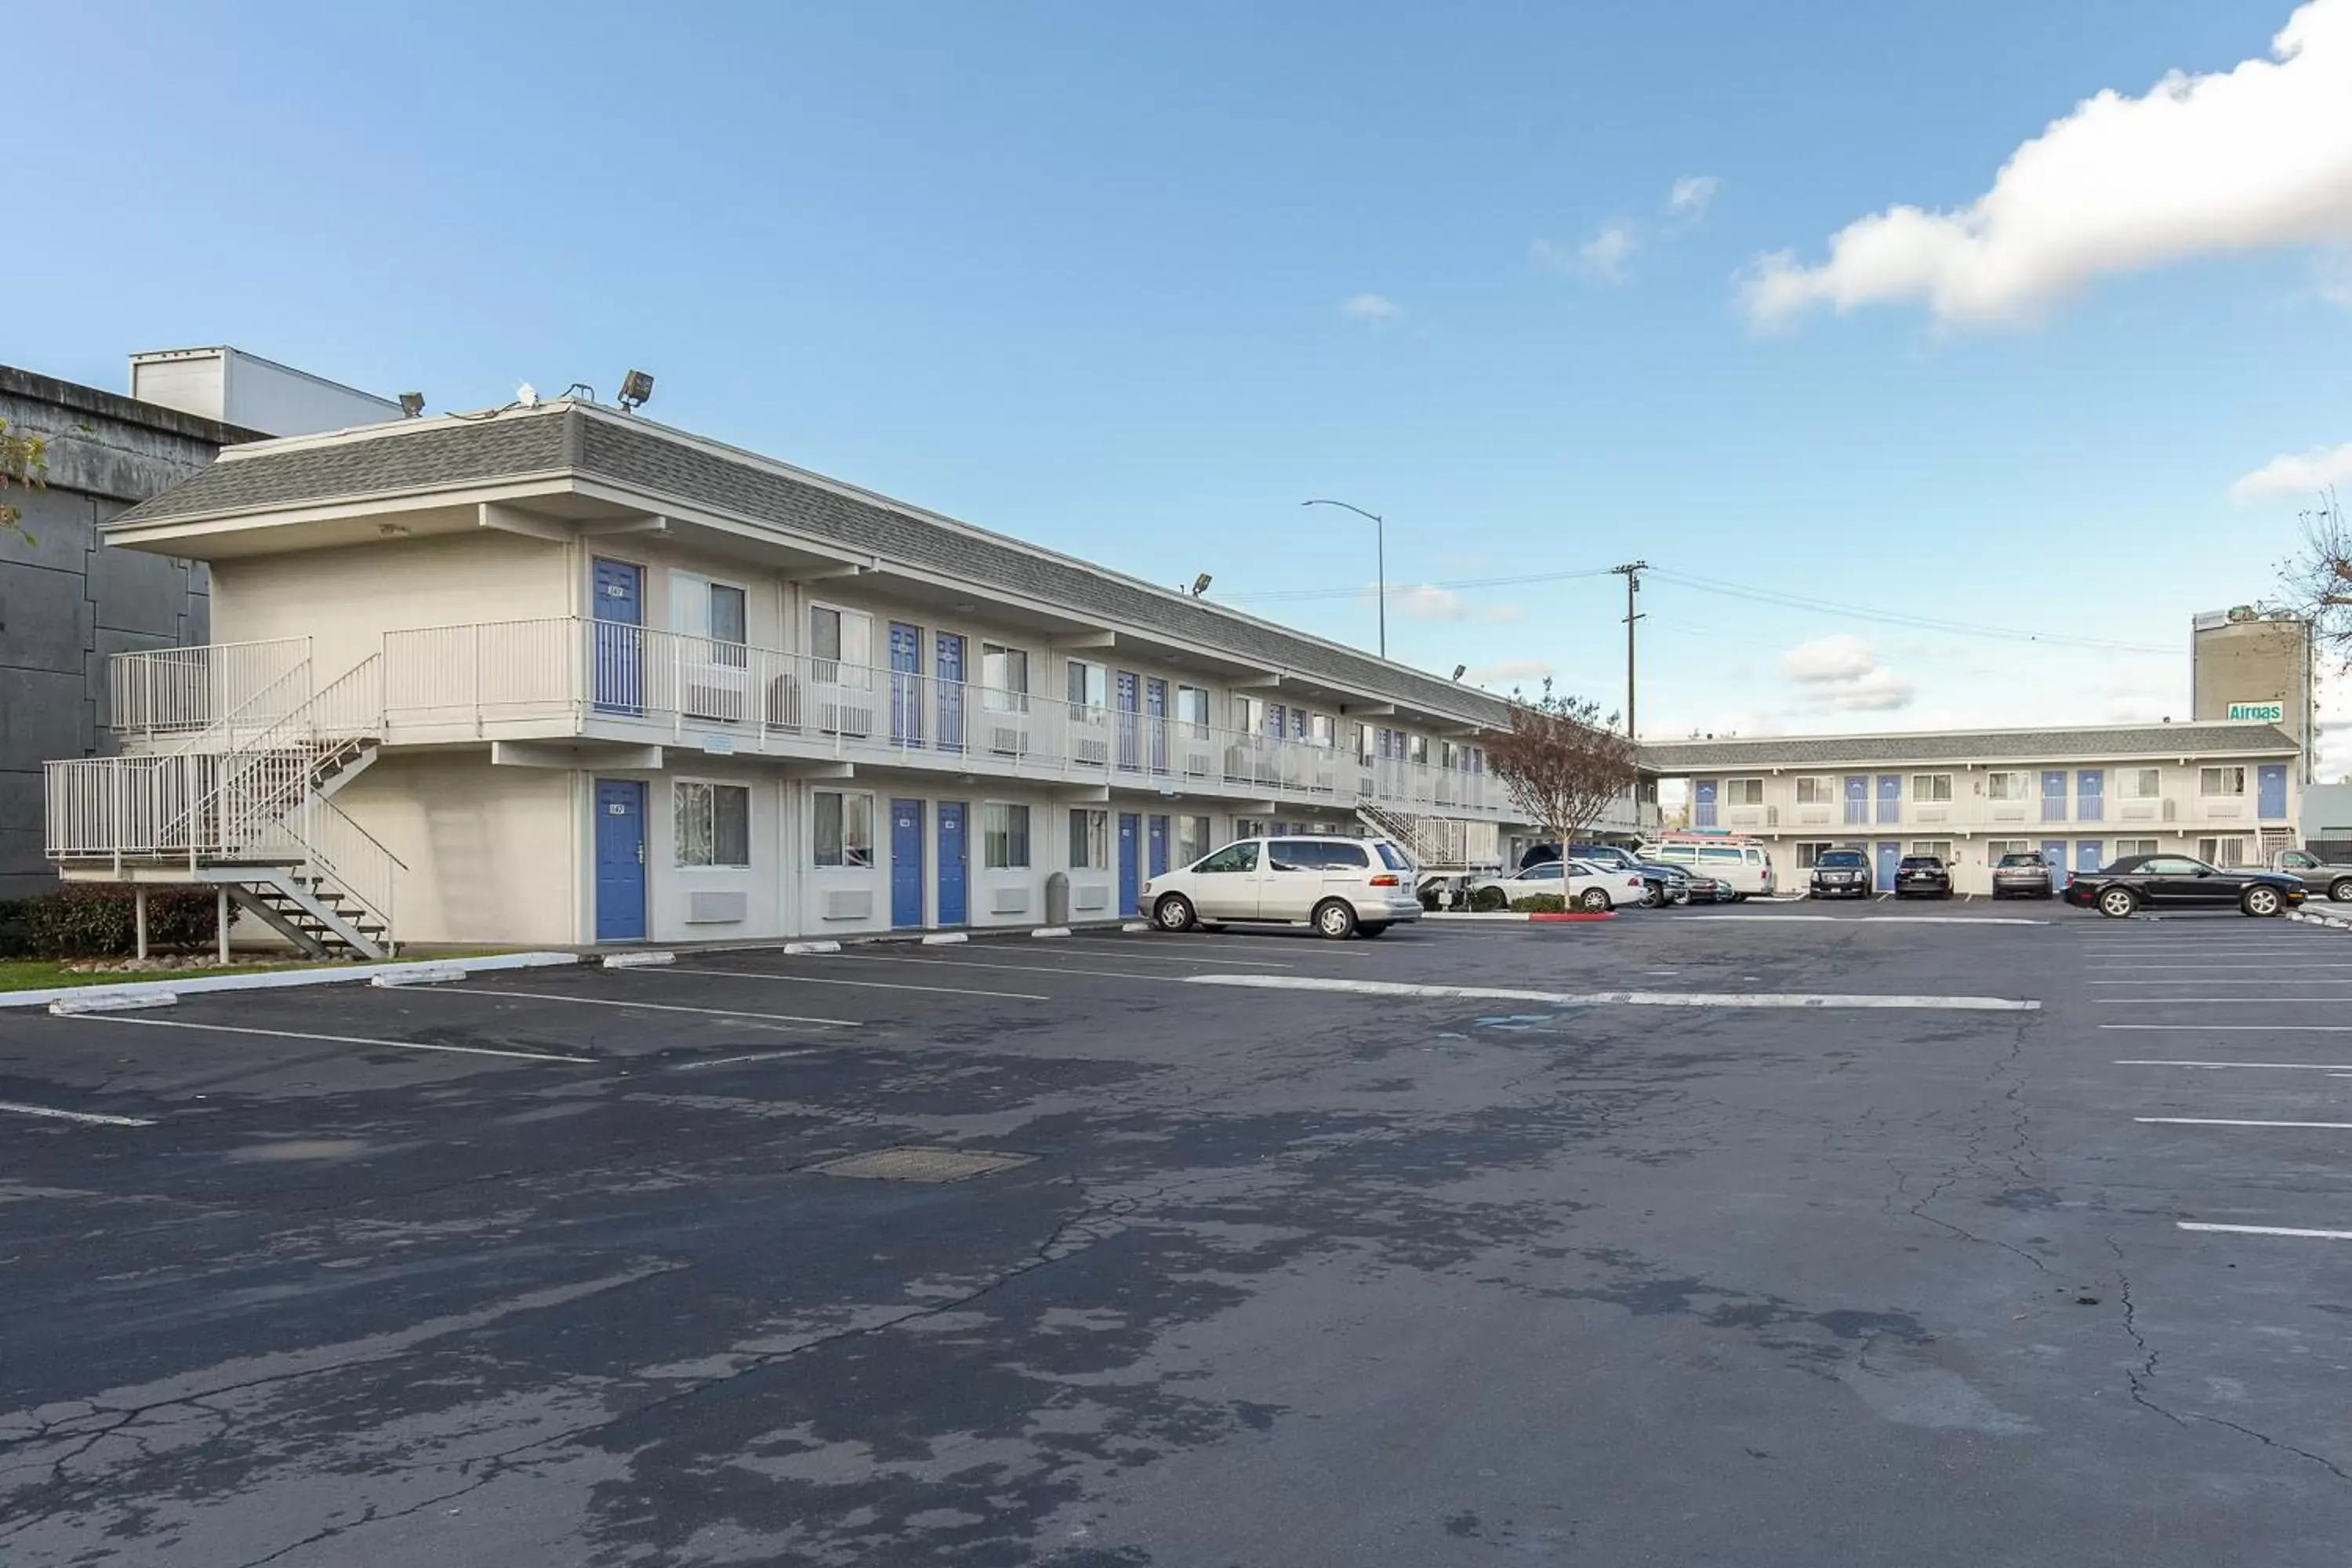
(1925, 873)
(1842, 874)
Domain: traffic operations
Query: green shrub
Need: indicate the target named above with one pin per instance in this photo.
(1542, 904)
(1490, 901)
(101, 923)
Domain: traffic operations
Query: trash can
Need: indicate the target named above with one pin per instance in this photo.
(1057, 898)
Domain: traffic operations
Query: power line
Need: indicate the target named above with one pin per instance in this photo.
(1889, 618)
(1295, 595)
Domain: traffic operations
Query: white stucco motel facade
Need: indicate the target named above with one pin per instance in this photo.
(562, 676)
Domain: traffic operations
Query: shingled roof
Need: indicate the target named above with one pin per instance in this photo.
(568, 439)
(1783, 752)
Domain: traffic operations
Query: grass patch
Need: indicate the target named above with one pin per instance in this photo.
(50, 974)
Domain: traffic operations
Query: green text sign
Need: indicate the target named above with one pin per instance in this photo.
(2259, 712)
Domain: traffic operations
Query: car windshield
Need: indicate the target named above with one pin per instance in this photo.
(2028, 859)
(1842, 861)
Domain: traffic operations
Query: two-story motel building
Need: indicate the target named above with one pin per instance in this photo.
(561, 675)
(2225, 793)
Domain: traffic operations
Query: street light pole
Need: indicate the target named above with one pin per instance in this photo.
(1380, 557)
(1631, 571)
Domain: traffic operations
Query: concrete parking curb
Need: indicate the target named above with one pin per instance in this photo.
(1520, 916)
(280, 979)
(2328, 918)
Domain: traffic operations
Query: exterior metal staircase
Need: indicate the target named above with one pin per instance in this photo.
(245, 805)
(1440, 846)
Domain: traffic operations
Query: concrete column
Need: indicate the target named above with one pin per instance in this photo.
(222, 921)
(139, 919)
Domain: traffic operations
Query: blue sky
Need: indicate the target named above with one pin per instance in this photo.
(1084, 274)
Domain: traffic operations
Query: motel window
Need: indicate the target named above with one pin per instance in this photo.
(2227, 853)
(1004, 677)
(710, 611)
(1249, 714)
(1364, 752)
(2126, 847)
(1743, 792)
(1191, 838)
(1089, 689)
(1004, 836)
(2139, 783)
(1931, 786)
(840, 637)
(1416, 749)
(1192, 710)
(1941, 848)
(714, 825)
(1997, 847)
(2220, 781)
(843, 827)
(1809, 851)
(2007, 786)
(1321, 730)
(1089, 840)
(1817, 792)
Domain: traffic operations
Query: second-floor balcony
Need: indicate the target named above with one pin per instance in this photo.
(600, 681)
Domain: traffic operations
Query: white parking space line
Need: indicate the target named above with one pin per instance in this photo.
(115, 1018)
(641, 1006)
(2225, 1067)
(2231, 1121)
(865, 984)
(739, 1061)
(90, 1118)
(1082, 945)
(2266, 1230)
(2209, 1001)
(2151, 980)
(1064, 969)
(2268, 967)
(1770, 999)
(2243, 1028)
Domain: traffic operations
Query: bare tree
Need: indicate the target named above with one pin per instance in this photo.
(23, 463)
(2318, 579)
(1562, 762)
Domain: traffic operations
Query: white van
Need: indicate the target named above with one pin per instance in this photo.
(1740, 864)
(1340, 886)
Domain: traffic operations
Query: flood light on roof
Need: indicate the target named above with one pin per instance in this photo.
(1200, 585)
(636, 387)
(412, 405)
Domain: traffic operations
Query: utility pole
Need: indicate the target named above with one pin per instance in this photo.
(1631, 571)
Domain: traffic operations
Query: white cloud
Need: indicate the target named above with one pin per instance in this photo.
(2295, 475)
(1838, 658)
(1601, 259)
(1428, 602)
(2256, 156)
(1514, 670)
(1843, 672)
(1507, 612)
(1376, 308)
(1687, 203)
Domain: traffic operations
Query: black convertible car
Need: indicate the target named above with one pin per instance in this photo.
(2177, 882)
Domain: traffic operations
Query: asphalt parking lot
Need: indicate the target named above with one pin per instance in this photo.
(1767, 1234)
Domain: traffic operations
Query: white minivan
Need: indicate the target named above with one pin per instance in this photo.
(1340, 886)
(1740, 864)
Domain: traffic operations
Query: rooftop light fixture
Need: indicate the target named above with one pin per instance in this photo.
(1200, 585)
(412, 405)
(635, 388)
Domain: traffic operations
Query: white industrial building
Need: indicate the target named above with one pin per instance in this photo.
(557, 674)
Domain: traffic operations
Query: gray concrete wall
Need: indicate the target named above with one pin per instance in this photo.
(65, 605)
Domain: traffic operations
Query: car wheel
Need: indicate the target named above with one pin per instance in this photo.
(2261, 901)
(2340, 890)
(2117, 903)
(1173, 912)
(1592, 900)
(1650, 896)
(1333, 918)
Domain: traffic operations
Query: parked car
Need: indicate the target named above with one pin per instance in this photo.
(1340, 886)
(2176, 882)
(1924, 874)
(2023, 874)
(1842, 874)
(1658, 878)
(1583, 886)
(2318, 876)
(1697, 889)
(1740, 864)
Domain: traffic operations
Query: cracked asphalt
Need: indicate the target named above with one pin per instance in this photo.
(1287, 1279)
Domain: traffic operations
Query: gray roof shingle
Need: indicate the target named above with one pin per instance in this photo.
(644, 457)
(1678, 757)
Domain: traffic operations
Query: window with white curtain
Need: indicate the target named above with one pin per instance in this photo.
(1004, 835)
(714, 823)
(843, 827)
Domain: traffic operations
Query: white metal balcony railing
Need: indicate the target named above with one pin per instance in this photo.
(569, 674)
(177, 691)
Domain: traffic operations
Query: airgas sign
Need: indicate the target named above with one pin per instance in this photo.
(2259, 712)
